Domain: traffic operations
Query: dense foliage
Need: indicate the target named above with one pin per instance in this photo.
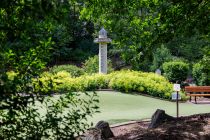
(28, 35)
(160, 56)
(125, 81)
(176, 71)
(148, 83)
(34, 34)
(24, 50)
(73, 36)
(72, 69)
(63, 117)
(201, 73)
(139, 27)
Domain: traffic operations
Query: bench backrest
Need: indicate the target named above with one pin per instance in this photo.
(197, 88)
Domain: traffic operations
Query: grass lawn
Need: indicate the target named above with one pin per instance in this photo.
(116, 107)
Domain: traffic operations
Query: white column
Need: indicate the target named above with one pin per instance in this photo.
(103, 58)
(102, 40)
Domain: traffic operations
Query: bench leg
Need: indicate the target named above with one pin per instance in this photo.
(190, 98)
(195, 100)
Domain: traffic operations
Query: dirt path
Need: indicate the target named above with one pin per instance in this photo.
(129, 131)
(195, 127)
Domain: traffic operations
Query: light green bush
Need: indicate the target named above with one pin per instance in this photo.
(148, 83)
(125, 81)
(44, 84)
(64, 82)
(58, 82)
(92, 82)
(11, 75)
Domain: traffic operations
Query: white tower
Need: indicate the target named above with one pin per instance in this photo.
(102, 40)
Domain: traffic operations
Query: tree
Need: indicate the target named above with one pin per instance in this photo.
(160, 55)
(201, 72)
(186, 27)
(130, 23)
(185, 18)
(27, 29)
(24, 50)
(137, 27)
(73, 36)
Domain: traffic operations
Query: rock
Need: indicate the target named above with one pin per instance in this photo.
(159, 117)
(91, 134)
(105, 129)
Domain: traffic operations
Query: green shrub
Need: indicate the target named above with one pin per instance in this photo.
(148, 83)
(91, 65)
(92, 82)
(58, 119)
(73, 70)
(60, 82)
(44, 84)
(199, 74)
(125, 81)
(175, 71)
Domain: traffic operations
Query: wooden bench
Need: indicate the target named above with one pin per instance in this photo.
(197, 91)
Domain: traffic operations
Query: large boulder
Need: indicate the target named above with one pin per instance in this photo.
(159, 117)
(105, 129)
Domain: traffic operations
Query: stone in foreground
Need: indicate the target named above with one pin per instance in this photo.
(105, 129)
(159, 117)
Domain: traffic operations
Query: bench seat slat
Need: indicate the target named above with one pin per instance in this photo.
(198, 94)
(197, 86)
(197, 89)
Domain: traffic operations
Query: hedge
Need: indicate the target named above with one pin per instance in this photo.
(125, 81)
